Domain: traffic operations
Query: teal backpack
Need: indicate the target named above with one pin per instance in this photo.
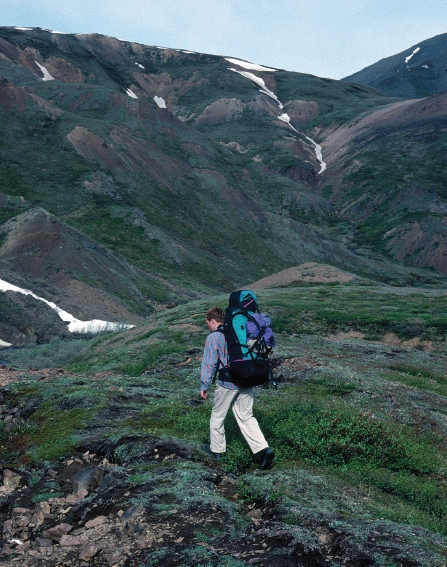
(249, 364)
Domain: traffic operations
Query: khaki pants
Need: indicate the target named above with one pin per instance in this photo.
(241, 402)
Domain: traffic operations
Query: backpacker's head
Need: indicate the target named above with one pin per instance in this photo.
(214, 318)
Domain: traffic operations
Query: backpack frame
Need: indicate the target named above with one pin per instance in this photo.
(248, 366)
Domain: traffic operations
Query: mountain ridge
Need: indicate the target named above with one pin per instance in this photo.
(416, 72)
(181, 162)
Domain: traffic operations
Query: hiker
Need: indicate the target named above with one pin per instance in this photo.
(228, 395)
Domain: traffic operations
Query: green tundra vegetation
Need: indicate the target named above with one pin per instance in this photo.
(343, 409)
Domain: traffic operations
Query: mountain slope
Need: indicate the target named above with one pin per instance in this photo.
(206, 172)
(414, 73)
(397, 154)
(69, 269)
(97, 149)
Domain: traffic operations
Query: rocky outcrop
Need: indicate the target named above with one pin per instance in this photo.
(94, 518)
(223, 110)
(422, 243)
(62, 70)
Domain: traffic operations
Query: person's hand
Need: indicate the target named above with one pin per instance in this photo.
(203, 394)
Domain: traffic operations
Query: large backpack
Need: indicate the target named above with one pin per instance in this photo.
(249, 339)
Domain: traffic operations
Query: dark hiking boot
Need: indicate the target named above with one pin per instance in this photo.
(266, 458)
(216, 456)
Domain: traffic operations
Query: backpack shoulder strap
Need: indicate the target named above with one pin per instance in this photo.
(219, 362)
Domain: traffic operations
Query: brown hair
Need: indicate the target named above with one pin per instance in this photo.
(215, 313)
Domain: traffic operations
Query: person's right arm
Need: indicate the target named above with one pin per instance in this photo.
(209, 361)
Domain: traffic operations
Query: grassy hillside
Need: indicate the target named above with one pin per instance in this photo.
(214, 191)
(358, 426)
(163, 192)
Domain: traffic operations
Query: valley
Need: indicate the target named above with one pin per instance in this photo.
(140, 185)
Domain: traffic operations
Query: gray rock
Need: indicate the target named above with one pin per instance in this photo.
(107, 482)
(57, 531)
(43, 542)
(89, 478)
(89, 551)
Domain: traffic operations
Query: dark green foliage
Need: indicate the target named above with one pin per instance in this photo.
(336, 387)
(337, 438)
(57, 352)
(388, 457)
(149, 358)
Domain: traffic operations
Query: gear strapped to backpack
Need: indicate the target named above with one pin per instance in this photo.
(249, 339)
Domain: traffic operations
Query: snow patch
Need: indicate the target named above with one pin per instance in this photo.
(284, 117)
(56, 32)
(259, 82)
(140, 65)
(317, 148)
(46, 74)
(248, 65)
(3, 344)
(24, 29)
(160, 101)
(74, 325)
(425, 67)
(318, 153)
(131, 94)
(407, 59)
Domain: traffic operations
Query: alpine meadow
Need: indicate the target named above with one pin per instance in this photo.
(139, 187)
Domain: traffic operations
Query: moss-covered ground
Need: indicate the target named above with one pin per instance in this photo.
(358, 425)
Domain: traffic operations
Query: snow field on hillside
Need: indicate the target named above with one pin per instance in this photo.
(74, 325)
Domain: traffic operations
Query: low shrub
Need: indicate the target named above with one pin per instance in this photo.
(58, 352)
(152, 354)
(341, 438)
(421, 378)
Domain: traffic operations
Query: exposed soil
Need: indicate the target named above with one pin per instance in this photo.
(9, 374)
(308, 272)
